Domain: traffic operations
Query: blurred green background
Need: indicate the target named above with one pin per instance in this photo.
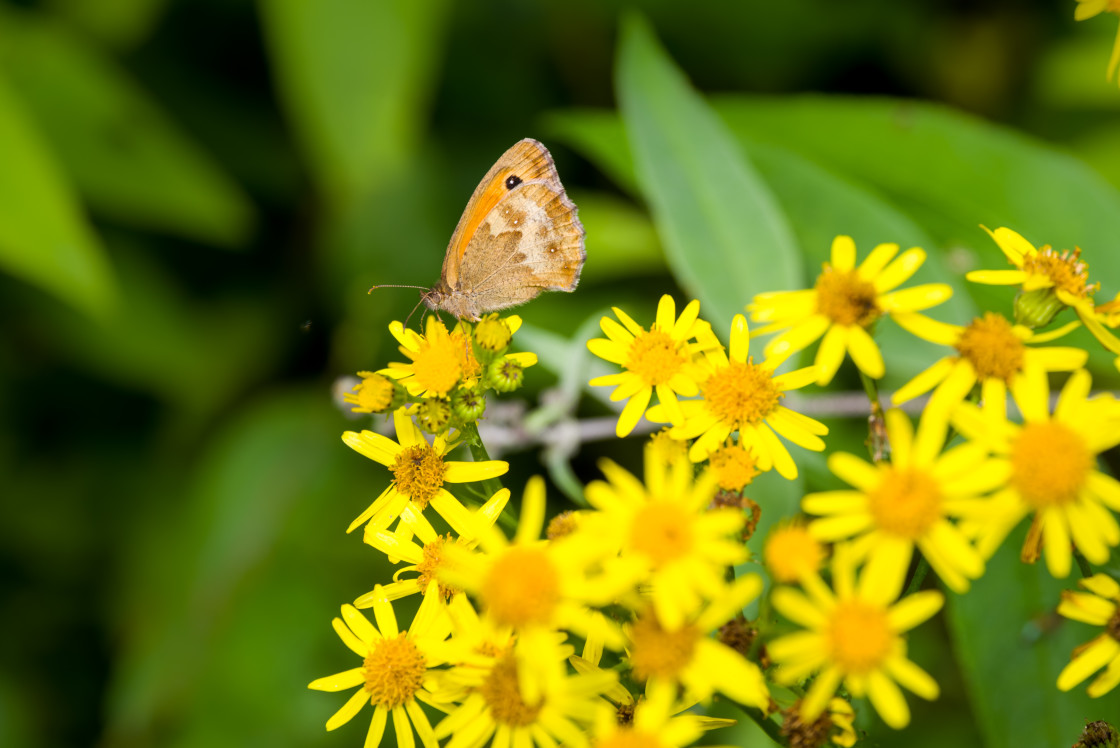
(196, 194)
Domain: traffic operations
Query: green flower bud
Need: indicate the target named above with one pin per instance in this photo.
(434, 415)
(468, 405)
(1038, 307)
(492, 334)
(505, 375)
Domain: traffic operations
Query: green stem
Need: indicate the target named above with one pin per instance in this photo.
(769, 726)
(877, 443)
(490, 486)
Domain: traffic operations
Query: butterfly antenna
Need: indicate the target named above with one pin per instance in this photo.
(389, 285)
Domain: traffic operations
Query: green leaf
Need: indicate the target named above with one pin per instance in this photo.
(1011, 645)
(117, 23)
(963, 169)
(356, 78)
(44, 237)
(126, 157)
(620, 238)
(599, 135)
(725, 235)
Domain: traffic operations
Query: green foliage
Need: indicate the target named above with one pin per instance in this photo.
(176, 488)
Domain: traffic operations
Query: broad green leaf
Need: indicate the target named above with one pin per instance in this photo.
(45, 239)
(126, 157)
(599, 135)
(725, 235)
(117, 23)
(1011, 645)
(621, 240)
(967, 170)
(356, 78)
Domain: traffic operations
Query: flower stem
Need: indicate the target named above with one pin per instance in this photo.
(877, 442)
(490, 486)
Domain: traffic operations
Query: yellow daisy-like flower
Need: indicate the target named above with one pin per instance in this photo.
(659, 359)
(1050, 464)
(397, 670)
(534, 587)
(853, 635)
(1050, 281)
(495, 705)
(425, 560)
(908, 502)
(1100, 606)
(689, 657)
(1088, 9)
(372, 395)
(440, 360)
(844, 305)
(667, 537)
(738, 395)
(654, 722)
(419, 474)
(991, 351)
(791, 552)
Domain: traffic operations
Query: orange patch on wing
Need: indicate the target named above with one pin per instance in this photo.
(478, 211)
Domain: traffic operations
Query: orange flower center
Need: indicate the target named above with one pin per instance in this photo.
(845, 298)
(655, 357)
(791, 551)
(1050, 464)
(522, 588)
(502, 692)
(1065, 269)
(655, 652)
(740, 394)
(662, 531)
(859, 636)
(418, 472)
(734, 466)
(989, 344)
(906, 502)
(428, 568)
(394, 671)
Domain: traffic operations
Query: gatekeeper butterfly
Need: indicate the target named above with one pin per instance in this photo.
(519, 235)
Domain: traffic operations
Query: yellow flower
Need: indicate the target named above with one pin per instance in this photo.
(440, 360)
(1050, 281)
(908, 502)
(853, 635)
(991, 351)
(654, 722)
(734, 466)
(396, 673)
(791, 552)
(425, 559)
(419, 473)
(834, 726)
(495, 704)
(1088, 9)
(659, 359)
(1050, 464)
(740, 395)
(1099, 607)
(843, 306)
(372, 395)
(690, 658)
(667, 536)
(532, 586)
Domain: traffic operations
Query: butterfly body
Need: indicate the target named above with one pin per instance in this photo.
(519, 235)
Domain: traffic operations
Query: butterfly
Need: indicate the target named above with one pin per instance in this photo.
(519, 235)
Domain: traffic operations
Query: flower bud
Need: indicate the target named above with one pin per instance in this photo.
(468, 404)
(505, 375)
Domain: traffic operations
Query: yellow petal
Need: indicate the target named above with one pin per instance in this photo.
(339, 681)
(899, 271)
(877, 260)
(348, 710)
(843, 254)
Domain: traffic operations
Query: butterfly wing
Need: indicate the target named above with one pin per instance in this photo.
(520, 207)
(519, 235)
